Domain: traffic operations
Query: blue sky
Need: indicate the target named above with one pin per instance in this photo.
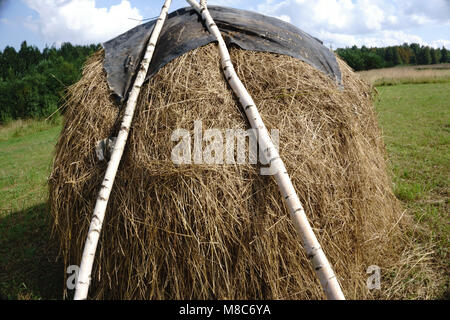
(338, 23)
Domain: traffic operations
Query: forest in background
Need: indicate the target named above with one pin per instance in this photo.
(33, 82)
(407, 54)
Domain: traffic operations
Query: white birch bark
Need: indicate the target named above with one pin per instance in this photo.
(87, 260)
(314, 252)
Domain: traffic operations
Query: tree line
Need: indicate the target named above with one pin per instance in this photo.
(33, 82)
(407, 54)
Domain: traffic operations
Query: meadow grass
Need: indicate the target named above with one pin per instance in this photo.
(437, 73)
(27, 256)
(415, 119)
(416, 124)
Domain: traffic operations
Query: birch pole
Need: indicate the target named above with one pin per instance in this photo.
(314, 252)
(90, 247)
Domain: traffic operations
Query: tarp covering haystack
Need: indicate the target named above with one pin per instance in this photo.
(208, 231)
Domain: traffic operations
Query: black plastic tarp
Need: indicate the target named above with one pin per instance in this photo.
(184, 31)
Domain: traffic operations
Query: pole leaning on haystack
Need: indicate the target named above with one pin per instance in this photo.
(320, 263)
(90, 247)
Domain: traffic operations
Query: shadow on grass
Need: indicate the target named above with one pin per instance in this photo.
(29, 268)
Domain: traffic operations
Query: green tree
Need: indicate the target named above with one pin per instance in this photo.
(435, 55)
(444, 55)
(415, 48)
(396, 56)
(405, 53)
(9, 63)
(33, 83)
(389, 56)
(424, 55)
(27, 56)
(353, 58)
(372, 61)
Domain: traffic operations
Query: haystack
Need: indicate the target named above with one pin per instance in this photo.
(222, 231)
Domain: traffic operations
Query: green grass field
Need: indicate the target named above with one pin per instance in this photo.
(415, 119)
(416, 123)
(27, 258)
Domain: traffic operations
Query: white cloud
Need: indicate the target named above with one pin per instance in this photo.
(284, 18)
(336, 22)
(441, 43)
(80, 21)
(378, 39)
(30, 24)
(369, 22)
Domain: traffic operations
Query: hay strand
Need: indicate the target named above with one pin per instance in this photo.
(90, 247)
(312, 247)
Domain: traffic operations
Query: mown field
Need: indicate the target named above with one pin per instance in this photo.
(436, 73)
(415, 119)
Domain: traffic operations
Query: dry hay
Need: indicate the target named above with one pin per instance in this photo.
(222, 231)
